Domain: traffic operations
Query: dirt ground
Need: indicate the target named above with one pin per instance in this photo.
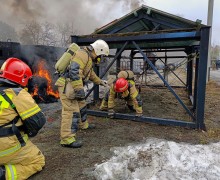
(66, 163)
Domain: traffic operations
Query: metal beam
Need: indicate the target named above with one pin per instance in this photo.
(118, 62)
(165, 82)
(162, 22)
(125, 25)
(156, 57)
(159, 57)
(201, 84)
(156, 27)
(189, 73)
(161, 50)
(145, 26)
(144, 119)
(165, 69)
(131, 60)
(115, 39)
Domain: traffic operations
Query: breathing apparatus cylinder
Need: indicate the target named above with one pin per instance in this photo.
(127, 74)
(64, 61)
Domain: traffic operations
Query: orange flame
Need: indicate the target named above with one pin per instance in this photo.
(42, 72)
(35, 91)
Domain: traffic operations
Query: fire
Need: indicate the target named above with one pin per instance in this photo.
(35, 93)
(42, 72)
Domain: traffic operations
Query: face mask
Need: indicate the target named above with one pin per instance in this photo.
(98, 59)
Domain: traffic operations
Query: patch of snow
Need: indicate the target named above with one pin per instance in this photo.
(159, 160)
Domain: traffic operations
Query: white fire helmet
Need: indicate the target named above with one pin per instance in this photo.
(100, 47)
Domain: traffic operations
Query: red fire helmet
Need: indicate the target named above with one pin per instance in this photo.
(121, 85)
(15, 70)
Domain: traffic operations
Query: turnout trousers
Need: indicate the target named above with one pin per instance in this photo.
(23, 163)
(74, 117)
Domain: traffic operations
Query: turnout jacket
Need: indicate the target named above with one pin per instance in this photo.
(80, 70)
(28, 115)
(131, 94)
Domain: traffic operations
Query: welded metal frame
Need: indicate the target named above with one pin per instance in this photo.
(141, 16)
(137, 42)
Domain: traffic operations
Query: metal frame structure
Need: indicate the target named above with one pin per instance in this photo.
(189, 40)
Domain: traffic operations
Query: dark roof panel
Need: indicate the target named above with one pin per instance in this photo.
(147, 18)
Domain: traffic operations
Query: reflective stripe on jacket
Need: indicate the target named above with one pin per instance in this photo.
(26, 108)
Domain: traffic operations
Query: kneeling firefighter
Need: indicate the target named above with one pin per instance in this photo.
(71, 90)
(20, 117)
(123, 89)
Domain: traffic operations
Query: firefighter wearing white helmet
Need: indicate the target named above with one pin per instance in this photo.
(72, 94)
(100, 47)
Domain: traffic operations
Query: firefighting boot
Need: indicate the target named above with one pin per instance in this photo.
(131, 108)
(90, 126)
(75, 144)
(2, 173)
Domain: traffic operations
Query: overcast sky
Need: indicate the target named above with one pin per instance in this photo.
(191, 9)
(87, 15)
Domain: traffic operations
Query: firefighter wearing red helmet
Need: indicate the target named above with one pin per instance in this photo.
(121, 85)
(124, 89)
(20, 118)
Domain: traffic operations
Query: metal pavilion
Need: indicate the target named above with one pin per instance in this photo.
(145, 30)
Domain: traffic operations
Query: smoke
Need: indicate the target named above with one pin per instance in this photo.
(86, 15)
(17, 12)
(22, 9)
(131, 5)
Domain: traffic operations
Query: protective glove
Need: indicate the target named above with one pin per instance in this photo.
(80, 94)
(103, 83)
(111, 113)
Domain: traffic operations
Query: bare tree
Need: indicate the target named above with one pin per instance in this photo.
(215, 52)
(48, 34)
(30, 34)
(7, 32)
(65, 30)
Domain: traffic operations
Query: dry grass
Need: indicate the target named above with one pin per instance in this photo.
(212, 110)
(64, 163)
